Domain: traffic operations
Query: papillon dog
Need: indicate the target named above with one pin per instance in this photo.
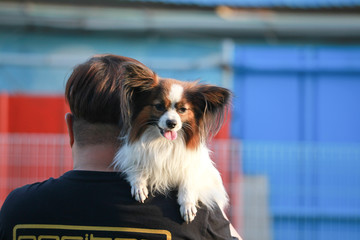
(167, 124)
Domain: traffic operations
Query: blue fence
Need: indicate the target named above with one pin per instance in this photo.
(314, 188)
(297, 110)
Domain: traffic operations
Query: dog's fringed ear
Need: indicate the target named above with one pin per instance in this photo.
(214, 102)
(136, 81)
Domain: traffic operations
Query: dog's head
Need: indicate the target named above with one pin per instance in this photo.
(176, 109)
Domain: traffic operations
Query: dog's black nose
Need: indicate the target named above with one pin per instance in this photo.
(170, 123)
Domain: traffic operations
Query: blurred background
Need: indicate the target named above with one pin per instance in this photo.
(289, 153)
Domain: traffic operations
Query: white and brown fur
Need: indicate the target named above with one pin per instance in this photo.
(153, 163)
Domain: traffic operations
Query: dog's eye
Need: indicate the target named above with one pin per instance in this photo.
(159, 107)
(182, 110)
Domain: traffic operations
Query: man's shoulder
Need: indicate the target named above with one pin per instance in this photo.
(52, 192)
(21, 201)
(26, 193)
(29, 189)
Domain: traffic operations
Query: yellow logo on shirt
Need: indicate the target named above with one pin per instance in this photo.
(73, 232)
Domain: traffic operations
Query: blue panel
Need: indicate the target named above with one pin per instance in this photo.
(271, 107)
(267, 58)
(267, 97)
(342, 59)
(338, 107)
(312, 91)
(298, 116)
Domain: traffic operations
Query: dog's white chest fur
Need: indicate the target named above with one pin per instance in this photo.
(156, 163)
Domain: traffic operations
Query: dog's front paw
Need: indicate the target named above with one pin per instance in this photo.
(140, 192)
(188, 211)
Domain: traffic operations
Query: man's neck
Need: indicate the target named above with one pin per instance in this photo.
(94, 157)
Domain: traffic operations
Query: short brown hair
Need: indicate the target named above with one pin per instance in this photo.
(93, 89)
(93, 92)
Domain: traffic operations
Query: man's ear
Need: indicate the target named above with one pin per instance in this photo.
(69, 118)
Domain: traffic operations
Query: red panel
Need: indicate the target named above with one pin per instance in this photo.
(28, 114)
(4, 127)
(36, 114)
(4, 113)
(224, 132)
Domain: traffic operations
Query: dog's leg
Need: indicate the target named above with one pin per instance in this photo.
(140, 192)
(139, 188)
(187, 201)
(188, 211)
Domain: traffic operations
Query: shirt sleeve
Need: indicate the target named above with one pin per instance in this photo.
(2, 233)
(6, 217)
(218, 228)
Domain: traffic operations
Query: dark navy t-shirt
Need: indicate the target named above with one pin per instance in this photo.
(89, 205)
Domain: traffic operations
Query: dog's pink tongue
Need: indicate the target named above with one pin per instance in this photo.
(171, 135)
